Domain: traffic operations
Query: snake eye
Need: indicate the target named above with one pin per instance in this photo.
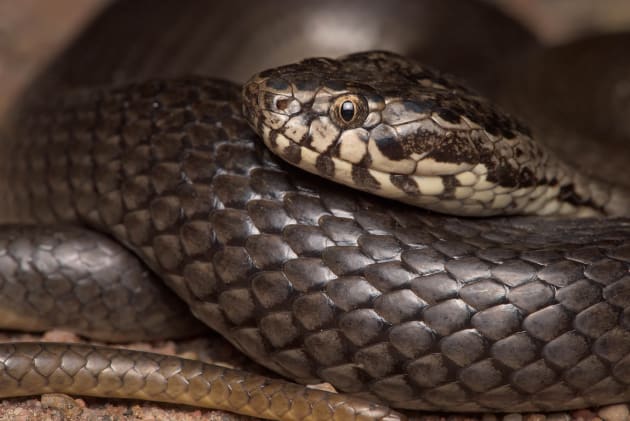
(349, 111)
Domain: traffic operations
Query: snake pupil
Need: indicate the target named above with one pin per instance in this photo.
(347, 111)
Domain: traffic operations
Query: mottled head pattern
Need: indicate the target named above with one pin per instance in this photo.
(383, 124)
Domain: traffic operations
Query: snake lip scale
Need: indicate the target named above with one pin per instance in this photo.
(319, 282)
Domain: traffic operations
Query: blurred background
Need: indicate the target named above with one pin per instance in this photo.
(33, 31)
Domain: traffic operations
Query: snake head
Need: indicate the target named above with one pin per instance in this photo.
(384, 124)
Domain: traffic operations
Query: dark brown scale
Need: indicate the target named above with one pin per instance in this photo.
(292, 153)
(362, 177)
(71, 278)
(405, 183)
(390, 146)
(325, 166)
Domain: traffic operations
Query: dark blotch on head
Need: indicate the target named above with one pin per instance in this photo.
(292, 153)
(405, 183)
(389, 146)
(325, 165)
(277, 83)
(420, 107)
(335, 84)
(506, 175)
(424, 107)
(456, 150)
(498, 125)
(362, 178)
(491, 127)
(448, 115)
(307, 84)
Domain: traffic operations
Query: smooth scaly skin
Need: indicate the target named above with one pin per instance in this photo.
(34, 368)
(423, 139)
(81, 281)
(317, 282)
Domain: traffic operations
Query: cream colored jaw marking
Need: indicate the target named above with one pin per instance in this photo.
(429, 186)
(482, 198)
(323, 133)
(352, 145)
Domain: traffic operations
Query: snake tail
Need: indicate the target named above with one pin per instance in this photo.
(31, 368)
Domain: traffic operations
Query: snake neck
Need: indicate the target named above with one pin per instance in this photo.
(619, 204)
(572, 191)
(590, 196)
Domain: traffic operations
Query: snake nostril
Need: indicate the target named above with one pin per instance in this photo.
(283, 104)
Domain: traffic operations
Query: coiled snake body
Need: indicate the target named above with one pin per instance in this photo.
(318, 282)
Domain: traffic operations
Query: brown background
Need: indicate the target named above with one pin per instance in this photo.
(31, 31)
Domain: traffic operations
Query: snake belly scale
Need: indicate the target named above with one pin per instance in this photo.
(317, 282)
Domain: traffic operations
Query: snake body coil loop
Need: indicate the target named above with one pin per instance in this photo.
(319, 282)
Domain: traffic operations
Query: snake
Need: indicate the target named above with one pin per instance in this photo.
(395, 306)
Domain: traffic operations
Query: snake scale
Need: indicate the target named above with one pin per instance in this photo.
(316, 281)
